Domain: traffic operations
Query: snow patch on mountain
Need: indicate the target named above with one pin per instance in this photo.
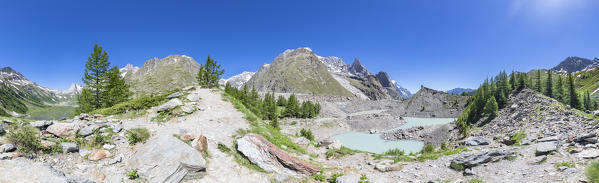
(403, 92)
(239, 80)
(129, 68)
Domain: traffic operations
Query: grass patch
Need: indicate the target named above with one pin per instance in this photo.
(475, 181)
(319, 177)
(132, 174)
(457, 166)
(566, 164)
(363, 179)
(592, 172)
(428, 149)
(141, 103)
(223, 148)
(343, 151)
(25, 138)
(163, 116)
(307, 134)
(518, 137)
(137, 135)
(395, 152)
(334, 177)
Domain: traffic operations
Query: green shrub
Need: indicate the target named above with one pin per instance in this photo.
(566, 164)
(274, 123)
(132, 174)
(98, 140)
(294, 123)
(138, 135)
(319, 177)
(457, 166)
(592, 172)
(337, 153)
(363, 179)
(26, 138)
(518, 137)
(141, 103)
(223, 148)
(475, 181)
(395, 152)
(427, 149)
(307, 134)
(55, 149)
(333, 178)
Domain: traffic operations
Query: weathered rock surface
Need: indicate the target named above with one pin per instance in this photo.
(468, 160)
(330, 143)
(353, 178)
(170, 105)
(22, 170)
(165, 158)
(41, 124)
(589, 153)
(69, 147)
(545, 148)
(194, 97)
(98, 154)
(270, 158)
(200, 144)
(174, 95)
(7, 148)
(63, 130)
(88, 130)
(476, 141)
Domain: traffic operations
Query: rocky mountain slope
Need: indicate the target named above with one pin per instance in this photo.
(575, 64)
(357, 69)
(239, 80)
(403, 92)
(16, 92)
(297, 71)
(432, 103)
(128, 69)
(158, 76)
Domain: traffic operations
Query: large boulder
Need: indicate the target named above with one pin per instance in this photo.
(468, 160)
(69, 147)
(545, 148)
(7, 148)
(170, 105)
(270, 158)
(165, 158)
(88, 130)
(589, 154)
(194, 97)
(476, 141)
(41, 124)
(63, 130)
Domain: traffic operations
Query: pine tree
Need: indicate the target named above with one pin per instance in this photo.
(281, 101)
(549, 85)
(95, 67)
(574, 101)
(521, 81)
(538, 84)
(209, 73)
(491, 108)
(115, 88)
(587, 101)
(513, 80)
(559, 90)
(292, 107)
(86, 101)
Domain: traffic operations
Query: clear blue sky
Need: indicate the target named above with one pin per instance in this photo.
(440, 44)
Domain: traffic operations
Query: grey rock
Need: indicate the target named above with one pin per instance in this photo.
(188, 88)
(23, 170)
(545, 148)
(281, 178)
(41, 124)
(352, 178)
(194, 97)
(549, 139)
(571, 170)
(116, 127)
(170, 105)
(84, 152)
(88, 130)
(592, 140)
(469, 171)
(330, 143)
(174, 95)
(108, 146)
(589, 154)
(301, 141)
(69, 147)
(476, 141)
(165, 158)
(188, 109)
(63, 130)
(2, 131)
(582, 137)
(115, 160)
(468, 160)
(7, 148)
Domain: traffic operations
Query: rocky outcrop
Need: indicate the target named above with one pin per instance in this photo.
(575, 64)
(270, 158)
(357, 69)
(158, 76)
(297, 71)
(476, 141)
(165, 158)
(22, 170)
(432, 103)
(63, 130)
(468, 160)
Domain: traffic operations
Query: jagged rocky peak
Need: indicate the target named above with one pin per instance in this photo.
(10, 74)
(335, 65)
(75, 88)
(358, 69)
(575, 64)
(384, 79)
(129, 68)
(403, 92)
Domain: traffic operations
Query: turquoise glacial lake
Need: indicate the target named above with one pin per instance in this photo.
(375, 144)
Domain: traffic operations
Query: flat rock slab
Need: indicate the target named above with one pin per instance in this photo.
(476, 141)
(165, 158)
(171, 104)
(545, 148)
(22, 170)
(270, 158)
(589, 153)
(63, 130)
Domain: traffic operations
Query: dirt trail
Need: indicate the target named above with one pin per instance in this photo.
(218, 122)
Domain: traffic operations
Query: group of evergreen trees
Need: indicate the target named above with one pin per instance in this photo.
(209, 73)
(493, 95)
(268, 107)
(103, 87)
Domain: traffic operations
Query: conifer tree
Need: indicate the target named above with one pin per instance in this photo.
(588, 105)
(209, 73)
(521, 81)
(538, 84)
(281, 101)
(292, 107)
(491, 108)
(549, 85)
(513, 80)
(574, 101)
(95, 67)
(115, 88)
(559, 90)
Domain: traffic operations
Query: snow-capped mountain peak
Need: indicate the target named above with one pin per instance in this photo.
(403, 92)
(129, 68)
(239, 80)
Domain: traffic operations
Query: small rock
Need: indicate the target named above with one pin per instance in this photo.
(582, 137)
(571, 170)
(69, 147)
(88, 130)
(188, 109)
(469, 171)
(562, 168)
(174, 95)
(41, 124)
(194, 97)
(200, 144)
(330, 143)
(592, 140)
(84, 152)
(476, 141)
(48, 144)
(116, 128)
(188, 88)
(170, 105)
(108, 146)
(7, 148)
(115, 160)
(98, 154)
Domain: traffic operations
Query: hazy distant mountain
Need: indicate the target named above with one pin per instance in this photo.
(16, 92)
(575, 64)
(158, 76)
(239, 80)
(459, 91)
(74, 89)
(128, 69)
(297, 71)
(403, 92)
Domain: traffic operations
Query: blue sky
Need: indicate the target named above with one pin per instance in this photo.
(439, 44)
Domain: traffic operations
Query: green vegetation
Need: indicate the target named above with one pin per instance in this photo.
(137, 135)
(592, 172)
(223, 148)
(137, 104)
(457, 166)
(343, 151)
(566, 164)
(103, 87)
(26, 138)
(10, 100)
(428, 149)
(395, 152)
(267, 108)
(475, 181)
(51, 112)
(307, 134)
(518, 137)
(132, 174)
(427, 153)
(333, 178)
(209, 73)
(363, 179)
(319, 177)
